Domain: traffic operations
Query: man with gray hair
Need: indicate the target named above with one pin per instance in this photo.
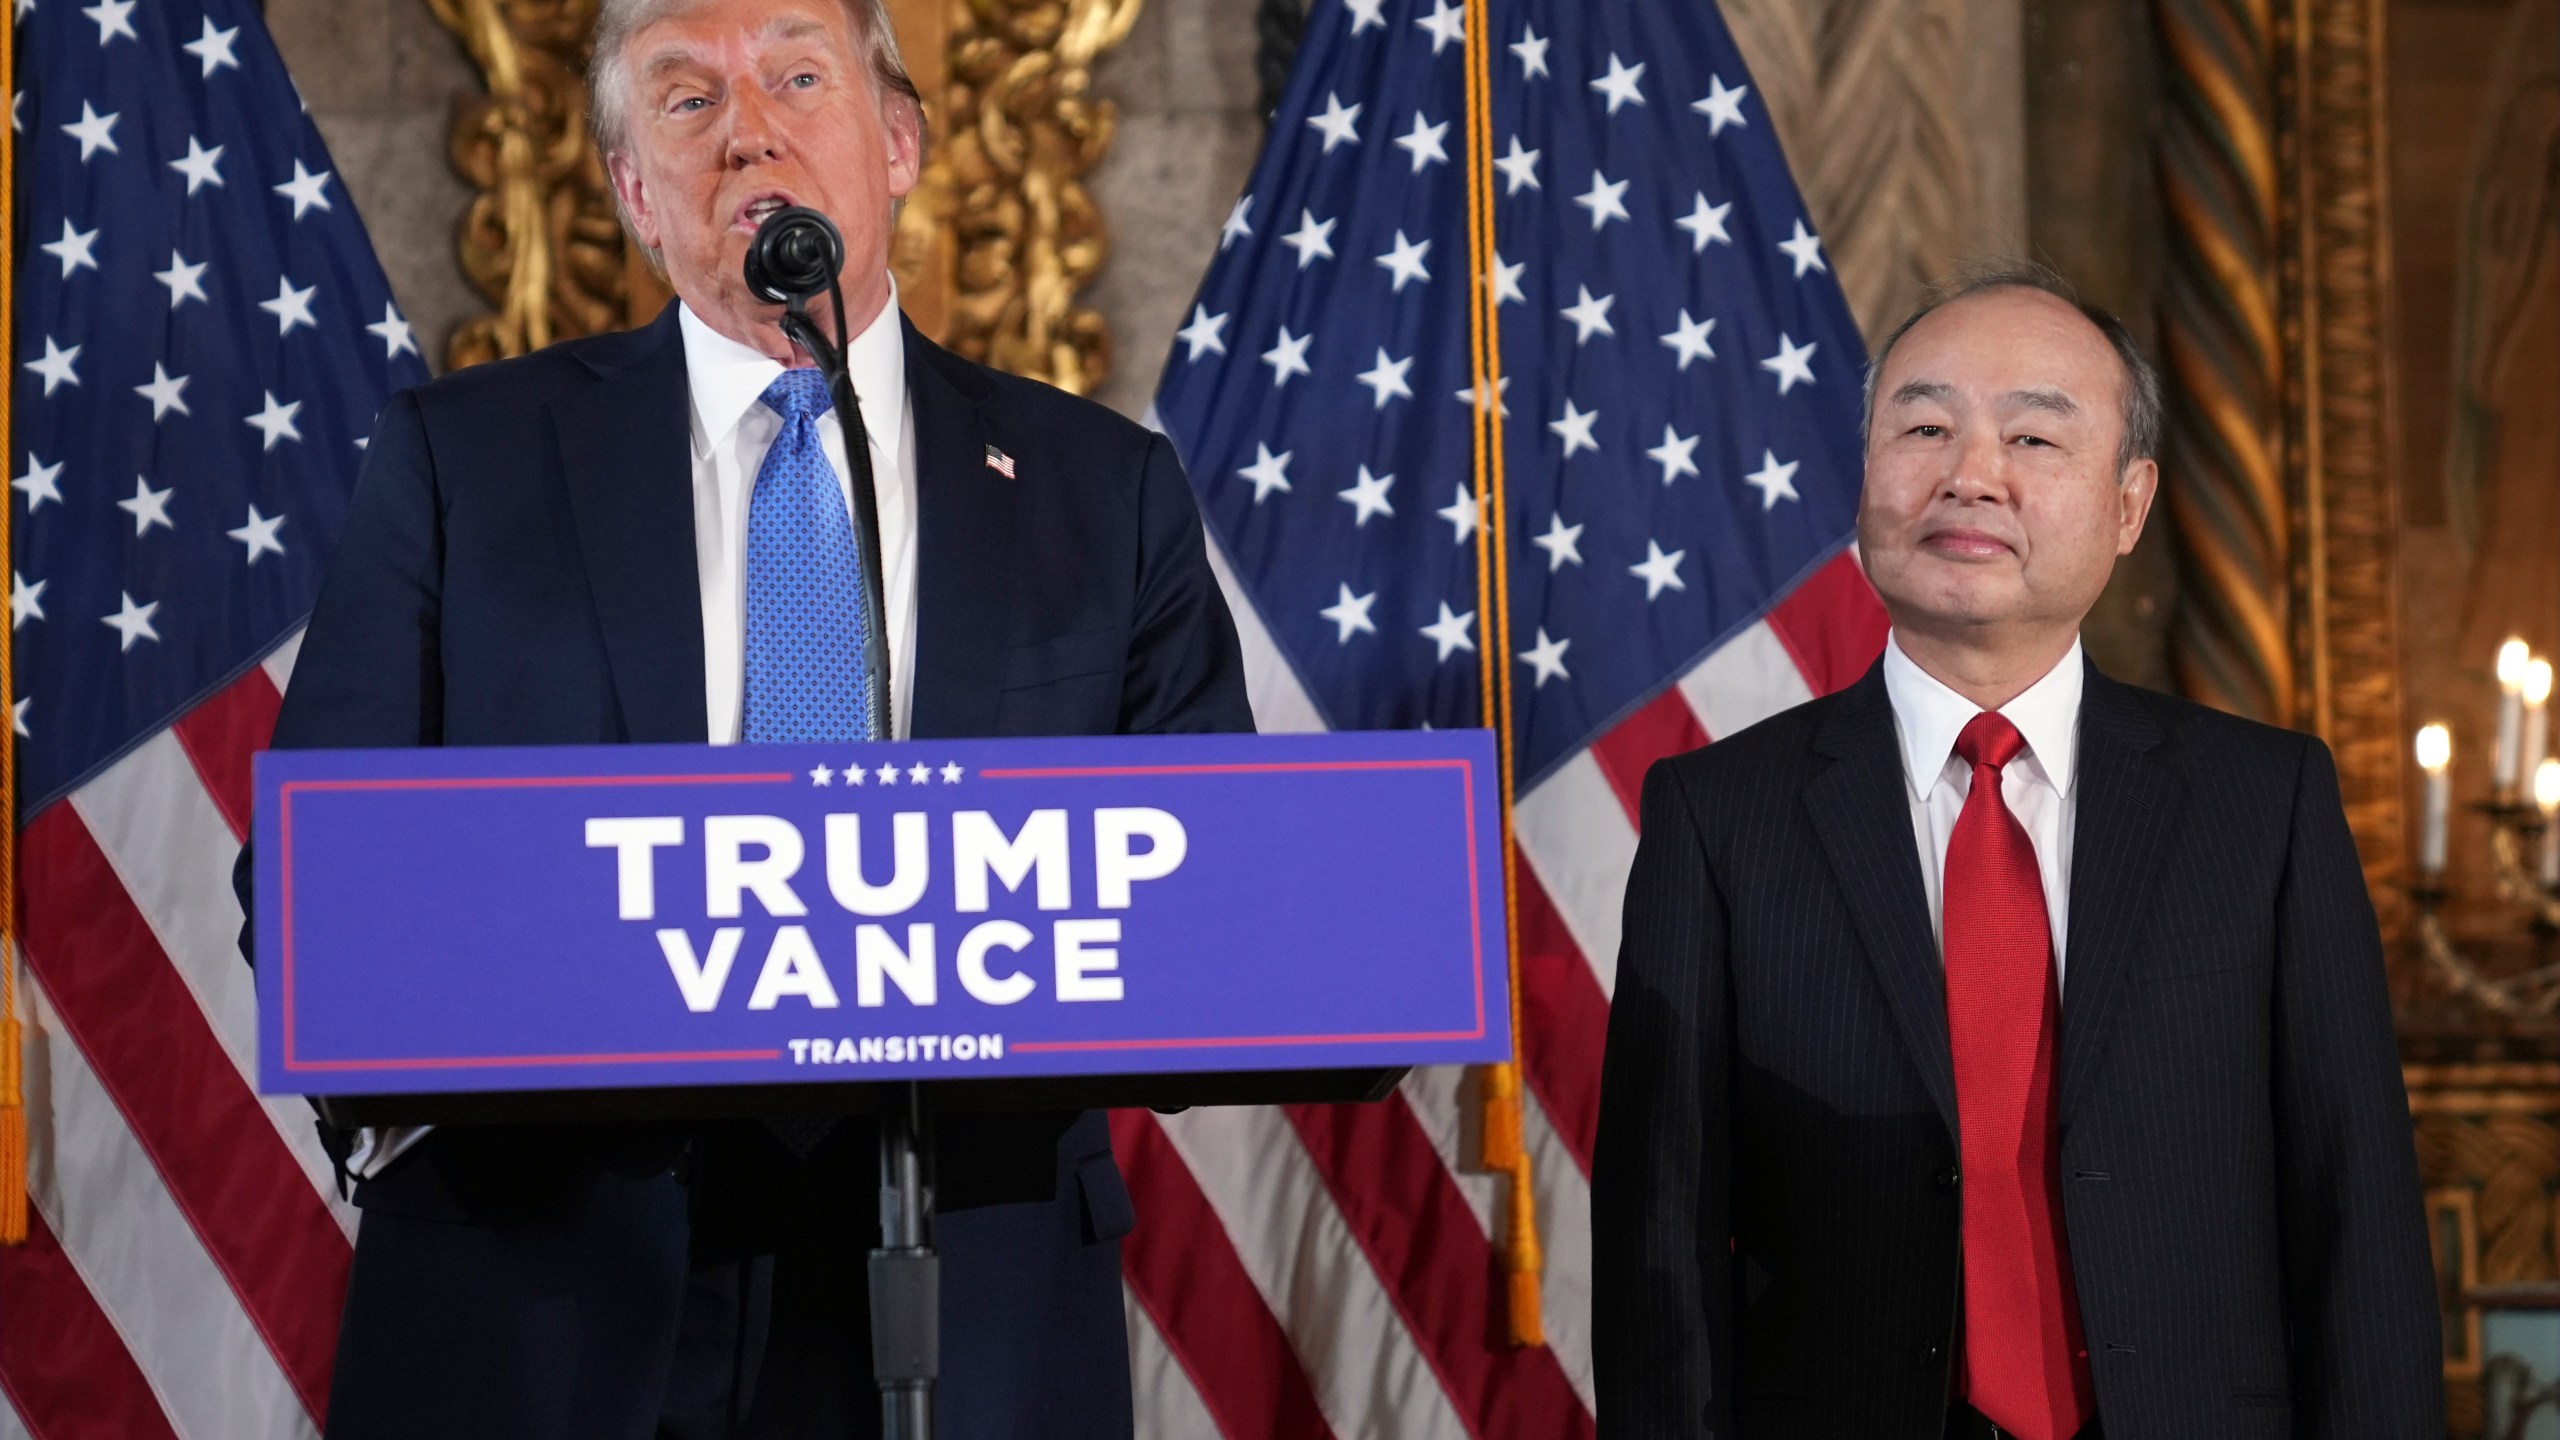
(1999, 1050)
(646, 537)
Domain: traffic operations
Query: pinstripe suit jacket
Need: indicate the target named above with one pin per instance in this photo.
(1775, 1211)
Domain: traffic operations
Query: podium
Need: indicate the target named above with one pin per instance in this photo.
(455, 936)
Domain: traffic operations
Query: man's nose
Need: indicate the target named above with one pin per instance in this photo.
(755, 134)
(1977, 471)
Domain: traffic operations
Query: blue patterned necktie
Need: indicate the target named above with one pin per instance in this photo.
(806, 592)
(805, 598)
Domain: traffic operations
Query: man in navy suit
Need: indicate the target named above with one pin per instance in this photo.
(582, 546)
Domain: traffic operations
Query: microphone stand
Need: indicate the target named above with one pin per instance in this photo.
(906, 1270)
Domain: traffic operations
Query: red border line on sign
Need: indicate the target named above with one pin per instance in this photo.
(284, 805)
(1475, 898)
(491, 1062)
(1236, 1041)
(1069, 772)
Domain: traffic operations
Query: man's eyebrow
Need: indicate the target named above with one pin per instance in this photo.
(792, 27)
(2045, 398)
(1917, 390)
(672, 57)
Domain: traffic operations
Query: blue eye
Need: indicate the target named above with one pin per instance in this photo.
(804, 79)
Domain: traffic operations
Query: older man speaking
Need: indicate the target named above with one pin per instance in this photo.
(646, 537)
(1999, 1050)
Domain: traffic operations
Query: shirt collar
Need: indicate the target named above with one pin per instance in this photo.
(726, 378)
(1928, 716)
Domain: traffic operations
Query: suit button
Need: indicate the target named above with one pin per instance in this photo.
(1948, 1177)
(1927, 1353)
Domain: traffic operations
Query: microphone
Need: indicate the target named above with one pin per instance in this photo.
(795, 255)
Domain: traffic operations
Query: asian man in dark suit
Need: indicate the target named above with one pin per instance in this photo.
(600, 543)
(1998, 1049)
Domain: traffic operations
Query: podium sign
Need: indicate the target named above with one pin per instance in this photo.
(621, 917)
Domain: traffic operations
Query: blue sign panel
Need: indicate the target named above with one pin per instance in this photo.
(620, 916)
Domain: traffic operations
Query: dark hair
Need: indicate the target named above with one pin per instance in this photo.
(2141, 382)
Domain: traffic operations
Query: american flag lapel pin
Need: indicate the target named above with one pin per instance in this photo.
(999, 462)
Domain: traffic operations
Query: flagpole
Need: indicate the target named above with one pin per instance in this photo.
(13, 1095)
(1505, 1147)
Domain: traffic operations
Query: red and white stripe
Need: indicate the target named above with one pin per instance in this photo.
(189, 1253)
(1333, 1272)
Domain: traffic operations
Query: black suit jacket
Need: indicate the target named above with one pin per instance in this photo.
(1775, 1203)
(518, 569)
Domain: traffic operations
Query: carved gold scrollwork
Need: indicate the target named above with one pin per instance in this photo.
(1024, 130)
(540, 240)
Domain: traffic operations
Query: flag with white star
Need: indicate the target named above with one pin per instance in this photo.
(1680, 383)
(202, 340)
(203, 337)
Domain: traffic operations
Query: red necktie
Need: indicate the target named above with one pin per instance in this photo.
(2025, 1366)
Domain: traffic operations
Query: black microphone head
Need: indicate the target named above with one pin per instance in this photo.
(796, 253)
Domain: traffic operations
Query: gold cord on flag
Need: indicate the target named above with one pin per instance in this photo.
(13, 1091)
(1505, 1150)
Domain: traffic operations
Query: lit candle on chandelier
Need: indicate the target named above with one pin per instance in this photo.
(2537, 719)
(2435, 757)
(2514, 658)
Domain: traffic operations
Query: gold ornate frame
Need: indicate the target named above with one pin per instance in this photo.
(990, 252)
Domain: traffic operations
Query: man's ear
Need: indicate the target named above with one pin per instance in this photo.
(2134, 494)
(634, 197)
(902, 131)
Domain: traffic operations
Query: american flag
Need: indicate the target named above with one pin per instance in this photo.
(1681, 379)
(202, 339)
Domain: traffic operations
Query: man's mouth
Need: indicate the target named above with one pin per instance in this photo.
(756, 211)
(1967, 544)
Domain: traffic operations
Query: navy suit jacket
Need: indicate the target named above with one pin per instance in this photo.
(518, 569)
(1776, 1209)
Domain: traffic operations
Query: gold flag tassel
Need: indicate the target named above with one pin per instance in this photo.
(13, 1090)
(1503, 1149)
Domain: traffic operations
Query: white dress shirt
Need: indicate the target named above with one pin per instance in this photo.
(2037, 785)
(731, 432)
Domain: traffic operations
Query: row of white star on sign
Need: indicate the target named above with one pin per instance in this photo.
(919, 774)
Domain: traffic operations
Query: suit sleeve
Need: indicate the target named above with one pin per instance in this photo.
(369, 673)
(1661, 1206)
(1185, 670)
(2360, 1282)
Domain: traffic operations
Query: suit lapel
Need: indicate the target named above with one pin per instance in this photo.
(1862, 810)
(968, 541)
(2127, 811)
(625, 453)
